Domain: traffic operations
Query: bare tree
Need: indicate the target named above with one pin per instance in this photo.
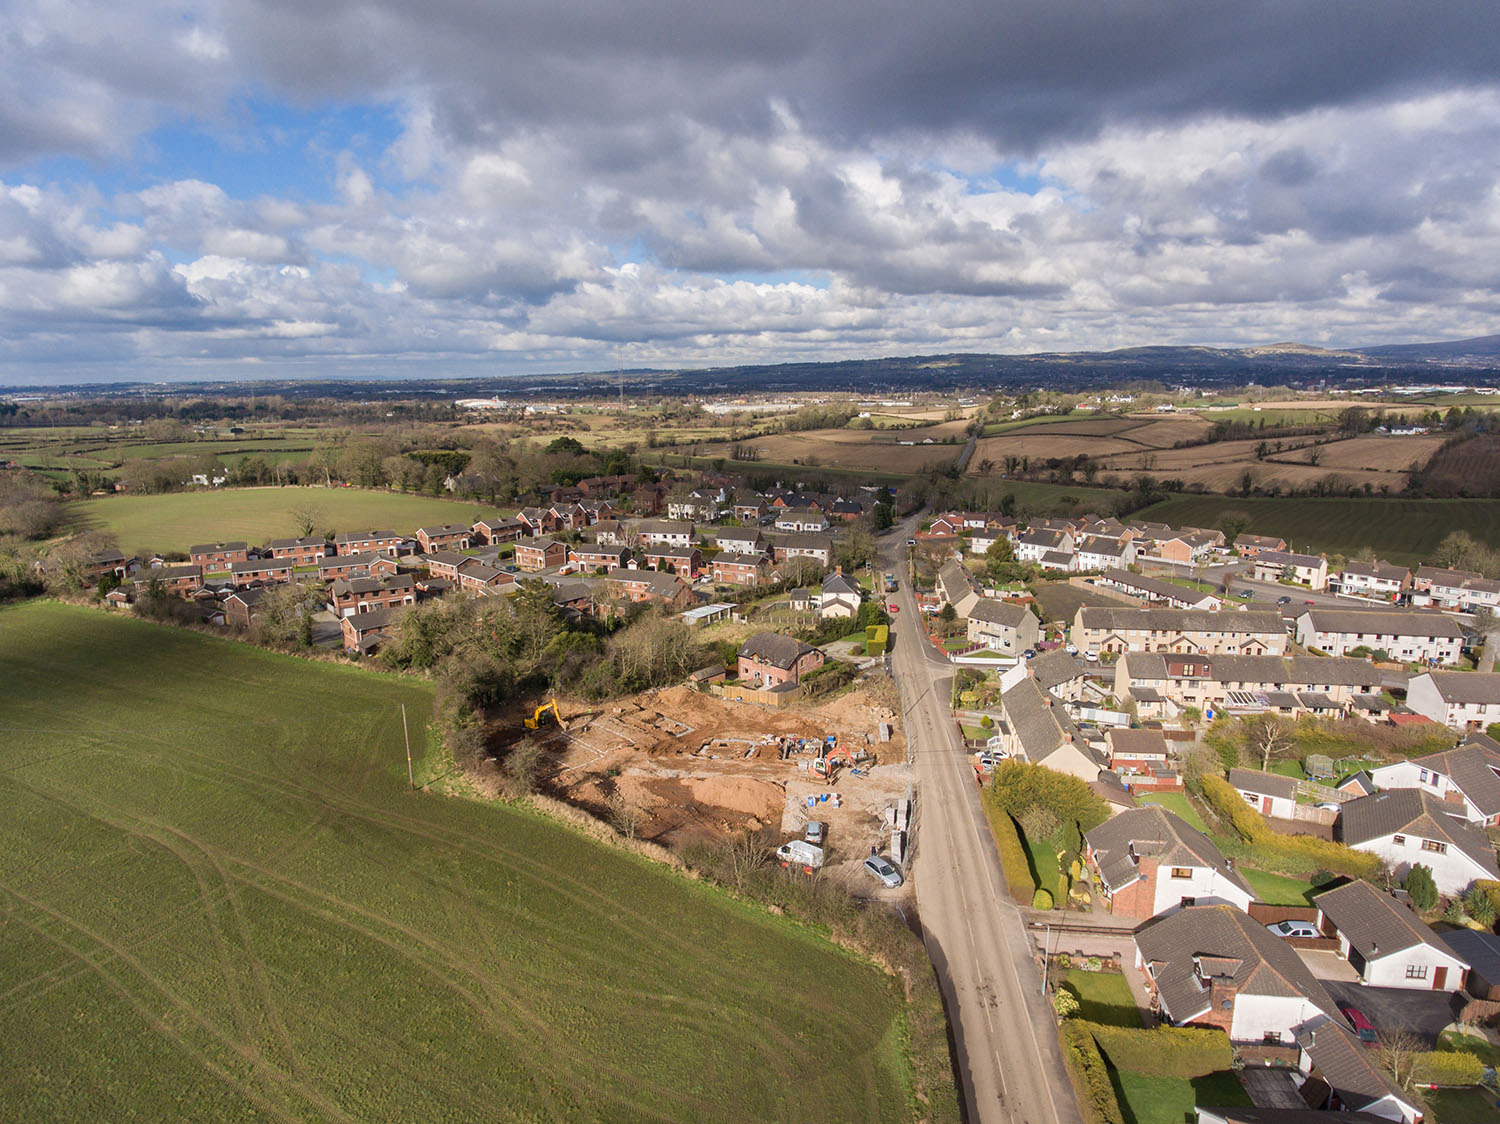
(1271, 739)
(307, 518)
(625, 816)
(1397, 1055)
(523, 765)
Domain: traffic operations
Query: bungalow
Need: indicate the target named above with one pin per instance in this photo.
(1270, 794)
(817, 547)
(1373, 579)
(1251, 545)
(665, 532)
(648, 585)
(1407, 826)
(840, 597)
(686, 561)
(349, 596)
(741, 569)
(447, 536)
(365, 632)
(1213, 966)
(1466, 779)
(492, 532)
(1411, 636)
(1463, 700)
(477, 579)
(769, 659)
(1103, 628)
(219, 556)
(598, 557)
(300, 552)
(540, 555)
(1038, 729)
(1151, 863)
(1344, 1072)
(1002, 626)
(368, 542)
(1386, 943)
(1310, 570)
(260, 571)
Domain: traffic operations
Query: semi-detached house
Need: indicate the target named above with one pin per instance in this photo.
(1460, 699)
(1002, 626)
(1407, 826)
(368, 542)
(260, 571)
(300, 552)
(1373, 579)
(1246, 684)
(1414, 636)
(1310, 570)
(1466, 778)
(1102, 628)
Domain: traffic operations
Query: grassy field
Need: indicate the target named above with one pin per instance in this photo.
(1400, 530)
(1463, 1106)
(1277, 889)
(177, 520)
(221, 903)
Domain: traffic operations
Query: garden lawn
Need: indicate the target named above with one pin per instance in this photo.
(1170, 1100)
(1482, 1048)
(1277, 889)
(178, 520)
(222, 903)
(1103, 997)
(1463, 1106)
(1044, 870)
(1178, 803)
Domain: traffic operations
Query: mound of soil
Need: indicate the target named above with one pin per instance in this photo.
(762, 799)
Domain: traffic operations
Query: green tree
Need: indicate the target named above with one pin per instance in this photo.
(1000, 560)
(1422, 889)
(1233, 524)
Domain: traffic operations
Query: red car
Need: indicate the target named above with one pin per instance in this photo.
(893, 609)
(1363, 1029)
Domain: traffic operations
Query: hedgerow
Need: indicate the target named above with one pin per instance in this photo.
(1089, 1073)
(1168, 1051)
(1289, 854)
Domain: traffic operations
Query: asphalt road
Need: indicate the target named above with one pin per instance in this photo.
(1009, 1064)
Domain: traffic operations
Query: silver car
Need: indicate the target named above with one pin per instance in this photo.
(1294, 929)
(882, 869)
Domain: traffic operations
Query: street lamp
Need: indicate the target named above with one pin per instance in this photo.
(1046, 945)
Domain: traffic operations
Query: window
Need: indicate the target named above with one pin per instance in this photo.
(1416, 971)
(1423, 776)
(1182, 872)
(1271, 1038)
(1400, 841)
(1434, 846)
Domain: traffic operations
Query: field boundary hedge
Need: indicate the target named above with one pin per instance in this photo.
(1013, 859)
(1089, 1073)
(1168, 1051)
(1287, 854)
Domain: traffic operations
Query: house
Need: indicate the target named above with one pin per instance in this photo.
(945, 526)
(349, 596)
(365, 632)
(1373, 579)
(1251, 545)
(1214, 1114)
(181, 580)
(801, 519)
(478, 579)
(219, 556)
(300, 552)
(1215, 966)
(538, 521)
(1429, 577)
(1270, 794)
(1481, 951)
(1386, 943)
(1096, 552)
(1038, 729)
(741, 569)
(1347, 1075)
(1406, 826)
(1463, 700)
(1136, 752)
(1408, 636)
(1245, 685)
(1034, 544)
(684, 560)
(840, 597)
(1186, 546)
(751, 510)
(1456, 589)
(612, 532)
(1151, 863)
(1003, 626)
(368, 542)
(1105, 628)
(665, 532)
(663, 587)
(1310, 570)
(957, 586)
(817, 547)
(1466, 778)
(493, 532)
(260, 571)
(241, 606)
(443, 564)
(541, 554)
(597, 557)
(1159, 591)
(769, 659)
(845, 511)
(1059, 674)
(446, 536)
(737, 540)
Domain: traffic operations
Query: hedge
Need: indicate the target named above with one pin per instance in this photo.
(1168, 1051)
(1442, 1068)
(1089, 1074)
(1013, 858)
(1291, 854)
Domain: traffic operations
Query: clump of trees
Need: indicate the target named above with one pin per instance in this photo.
(29, 507)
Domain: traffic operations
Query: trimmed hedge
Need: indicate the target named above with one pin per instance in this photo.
(1013, 858)
(1168, 1051)
(1440, 1067)
(1289, 854)
(1089, 1073)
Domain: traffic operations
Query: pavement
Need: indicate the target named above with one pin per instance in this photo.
(1004, 1033)
(1396, 1010)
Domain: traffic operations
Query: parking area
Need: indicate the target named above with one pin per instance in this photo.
(1328, 965)
(1396, 1010)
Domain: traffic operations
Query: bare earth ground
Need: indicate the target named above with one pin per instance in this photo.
(855, 448)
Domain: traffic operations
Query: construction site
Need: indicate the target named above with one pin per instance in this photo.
(678, 765)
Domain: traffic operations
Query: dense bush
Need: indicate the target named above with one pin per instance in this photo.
(1291, 854)
(1421, 888)
(1168, 1051)
(1013, 858)
(1018, 788)
(1442, 1068)
(1042, 899)
(1090, 1074)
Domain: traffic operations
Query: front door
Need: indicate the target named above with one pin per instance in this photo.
(1439, 978)
(1265, 805)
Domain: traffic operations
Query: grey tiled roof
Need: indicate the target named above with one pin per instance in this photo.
(1472, 767)
(775, 649)
(1347, 1065)
(1156, 832)
(1183, 620)
(1476, 687)
(1266, 784)
(1383, 622)
(1413, 812)
(1373, 922)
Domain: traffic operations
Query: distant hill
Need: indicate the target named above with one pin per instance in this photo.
(1482, 349)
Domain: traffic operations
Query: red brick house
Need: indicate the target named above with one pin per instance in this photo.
(492, 532)
(349, 596)
(769, 659)
(477, 578)
(365, 632)
(1151, 863)
(219, 556)
(751, 511)
(676, 560)
(597, 510)
(598, 557)
(299, 552)
(448, 536)
(368, 542)
(355, 566)
(444, 564)
(260, 571)
(648, 585)
(539, 521)
(540, 555)
(568, 516)
(741, 569)
(240, 607)
(181, 580)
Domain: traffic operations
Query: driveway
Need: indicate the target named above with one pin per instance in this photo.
(1395, 1010)
(1328, 966)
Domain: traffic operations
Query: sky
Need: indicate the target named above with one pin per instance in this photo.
(275, 188)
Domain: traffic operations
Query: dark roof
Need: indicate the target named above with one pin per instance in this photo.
(1112, 790)
(732, 559)
(1347, 1065)
(1465, 686)
(774, 649)
(342, 561)
(445, 529)
(1481, 951)
(1472, 767)
(1254, 621)
(1006, 613)
(1342, 671)
(216, 547)
(1414, 812)
(1287, 558)
(1383, 622)
(364, 536)
(664, 527)
(1154, 831)
(1051, 669)
(375, 619)
(660, 583)
(837, 583)
(1374, 923)
(1265, 784)
(1129, 743)
(1186, 948)
(1290, 1116)
(255, 565)
(287, 544)
(806, 541)
(248, 597)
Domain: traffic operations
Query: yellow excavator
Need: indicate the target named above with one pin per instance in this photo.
(535, 721)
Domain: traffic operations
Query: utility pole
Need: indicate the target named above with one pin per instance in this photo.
(411, 779)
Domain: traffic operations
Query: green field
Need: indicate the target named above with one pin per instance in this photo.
(1405, 531)
(177, 520)
(1170, 1100)
(221, 903)
(1103, 997)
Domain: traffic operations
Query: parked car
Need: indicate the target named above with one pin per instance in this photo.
(893, 608)
(989, 758)
(1283, 600)
(1329, 806)
(1072, 649)
(1309, 601)
(911, 542)
(882, 869)
(1245, 594)
(1030, 653)
(814, 832)
(1091, 657)
(1364, 1030)
(1294, 929)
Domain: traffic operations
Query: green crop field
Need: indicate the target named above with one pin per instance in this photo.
(220, 902)
(177, 520)
(1399, 530)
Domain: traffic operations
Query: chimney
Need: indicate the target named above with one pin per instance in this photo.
(839, 570)
(1067, 739)
(1375, 948)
